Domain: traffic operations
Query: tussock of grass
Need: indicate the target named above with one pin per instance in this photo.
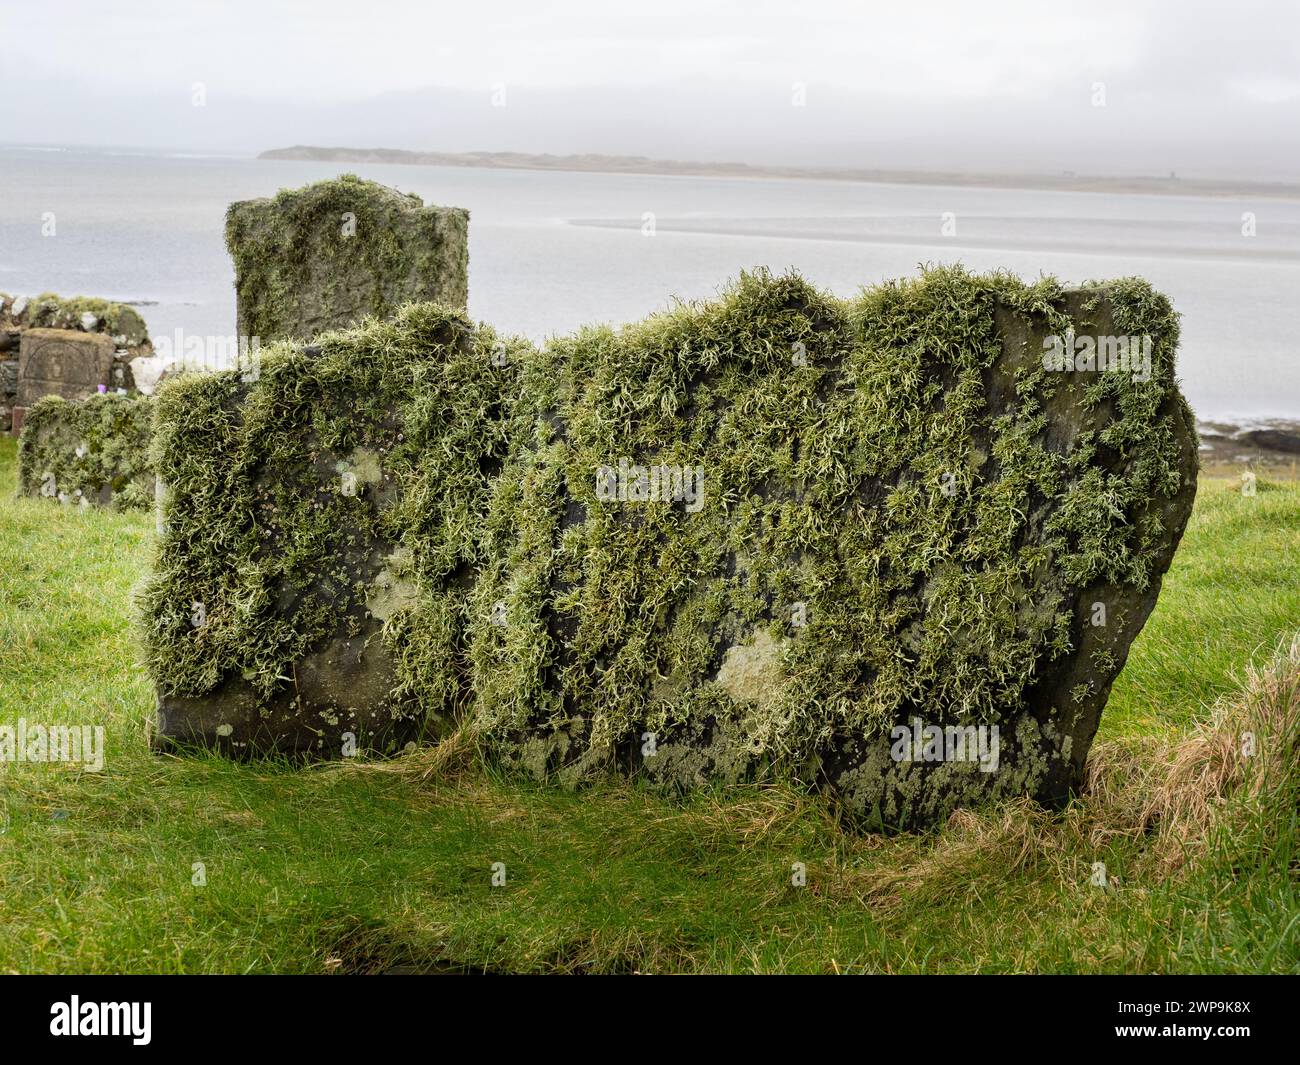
(1174, 801)
(1244, 752)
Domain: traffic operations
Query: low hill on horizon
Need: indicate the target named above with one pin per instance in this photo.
(1066, 181)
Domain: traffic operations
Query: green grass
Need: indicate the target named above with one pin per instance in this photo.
(1231, 594)
(366, 867)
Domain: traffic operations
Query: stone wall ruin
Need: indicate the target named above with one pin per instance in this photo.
(71, 337)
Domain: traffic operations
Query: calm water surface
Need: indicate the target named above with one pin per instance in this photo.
(550, 252)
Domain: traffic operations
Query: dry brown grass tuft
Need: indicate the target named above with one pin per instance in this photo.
(1171, 795)
(1178, 792)
(451, 760)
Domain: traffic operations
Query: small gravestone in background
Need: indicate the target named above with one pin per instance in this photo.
(8, 378)
(327, 255)
(88, 452)
(61, 362)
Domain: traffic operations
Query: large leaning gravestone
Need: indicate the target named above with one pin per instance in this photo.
(891, 546)
(326, 255)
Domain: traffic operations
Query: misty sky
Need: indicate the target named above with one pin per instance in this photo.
(1205, 89)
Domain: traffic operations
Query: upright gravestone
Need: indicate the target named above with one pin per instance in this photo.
(62, 362)
(327, 255)
(318, 537)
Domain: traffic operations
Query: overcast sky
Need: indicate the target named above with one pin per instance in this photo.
(1200, 88)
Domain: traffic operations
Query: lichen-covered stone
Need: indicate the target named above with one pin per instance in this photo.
(327, 255)
(88, 314)
(751, 538)
(905, 520)
(90, 452)
(96, 330)
(318, 542)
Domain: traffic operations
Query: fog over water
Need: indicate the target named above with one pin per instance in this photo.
(1198, 87)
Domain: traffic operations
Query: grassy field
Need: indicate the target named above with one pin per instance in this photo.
(162, 864)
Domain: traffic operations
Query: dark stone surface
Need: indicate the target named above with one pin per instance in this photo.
(1273, 440)
(1043, 748)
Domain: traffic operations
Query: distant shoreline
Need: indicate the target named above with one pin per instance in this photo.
(1270, 446)
(640, 165)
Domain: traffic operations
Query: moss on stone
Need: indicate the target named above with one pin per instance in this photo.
(329, 254)
(888, 498)
(904, 515)
(51, 311)
(88, 452)
(324, 517)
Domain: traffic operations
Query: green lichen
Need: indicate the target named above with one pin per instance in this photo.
(117, 320)
(903, 513)
(93, 451)
(333, 498)
(930, 542)
(327, 255)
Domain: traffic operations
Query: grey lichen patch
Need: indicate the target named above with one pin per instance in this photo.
(393, 589)
(752, 672)
(364, 464)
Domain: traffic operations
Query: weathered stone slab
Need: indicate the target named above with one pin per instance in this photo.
(327, 255)
(91, 452)
(318, 538)
(891, 547)
(61, 362)
(874, 546)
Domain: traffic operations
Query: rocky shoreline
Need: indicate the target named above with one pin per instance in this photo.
(1268, 446)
